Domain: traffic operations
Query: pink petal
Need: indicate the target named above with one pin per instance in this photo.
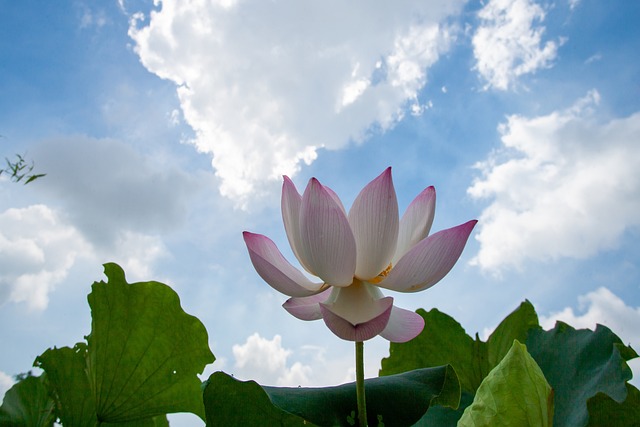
(275, 269)
(403, 326)
(374, 221)
(416, 222)
(429, 261)
(307, 308)
(361, 331)
(290, 205)
(326, 237)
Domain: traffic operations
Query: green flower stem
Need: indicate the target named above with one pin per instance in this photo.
(362, 406)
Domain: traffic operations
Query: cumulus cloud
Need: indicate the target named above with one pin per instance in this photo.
(36, 251)
(508, 42)
(604, 307)
(265, 85)
(38, 247)
(563, 185)
(265, 361)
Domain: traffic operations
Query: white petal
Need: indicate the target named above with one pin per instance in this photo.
(403, 325)
(275, 269)
(326, 236)
(361, 331)
(335, 198)
(416, 222)
(290, 205)
(374, 221)
(428, 261)
(358, 303)
(307, 308)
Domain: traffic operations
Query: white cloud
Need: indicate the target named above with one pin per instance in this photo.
(564, 185)
(136, 253)
(36, 251)
(265, 361)
(508, 43)
(38, 247)
(6, 382)
(265, 85)
(604, 307)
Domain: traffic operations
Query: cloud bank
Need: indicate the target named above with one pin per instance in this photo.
(106, 203)
(265, 85)
(562, 185)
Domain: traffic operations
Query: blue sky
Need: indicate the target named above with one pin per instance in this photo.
(164, 130)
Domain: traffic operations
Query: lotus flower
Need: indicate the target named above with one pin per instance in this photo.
(356, 254)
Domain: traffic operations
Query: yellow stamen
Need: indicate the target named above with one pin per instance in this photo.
(380, 277)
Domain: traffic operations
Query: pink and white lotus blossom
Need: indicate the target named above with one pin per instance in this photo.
(356, 254)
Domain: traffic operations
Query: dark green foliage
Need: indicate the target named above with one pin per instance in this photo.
(143, 357)
(587, 369)
(444, 341)
(27, 404)
(65, 368)
(144, 352)
(397, 400)
(140, 361)
(515, 393)
(580, 364)
(604, 411)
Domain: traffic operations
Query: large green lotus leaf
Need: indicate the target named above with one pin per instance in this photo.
(396, 400)
(515, 326)
(515, 393)
(157, 421)
(27, 404)
(144, 351)
(444, 341)
(579, 364)
(67, 378)
(229, 402)
(605, 412)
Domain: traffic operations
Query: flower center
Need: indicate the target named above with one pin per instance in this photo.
(380, 277)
